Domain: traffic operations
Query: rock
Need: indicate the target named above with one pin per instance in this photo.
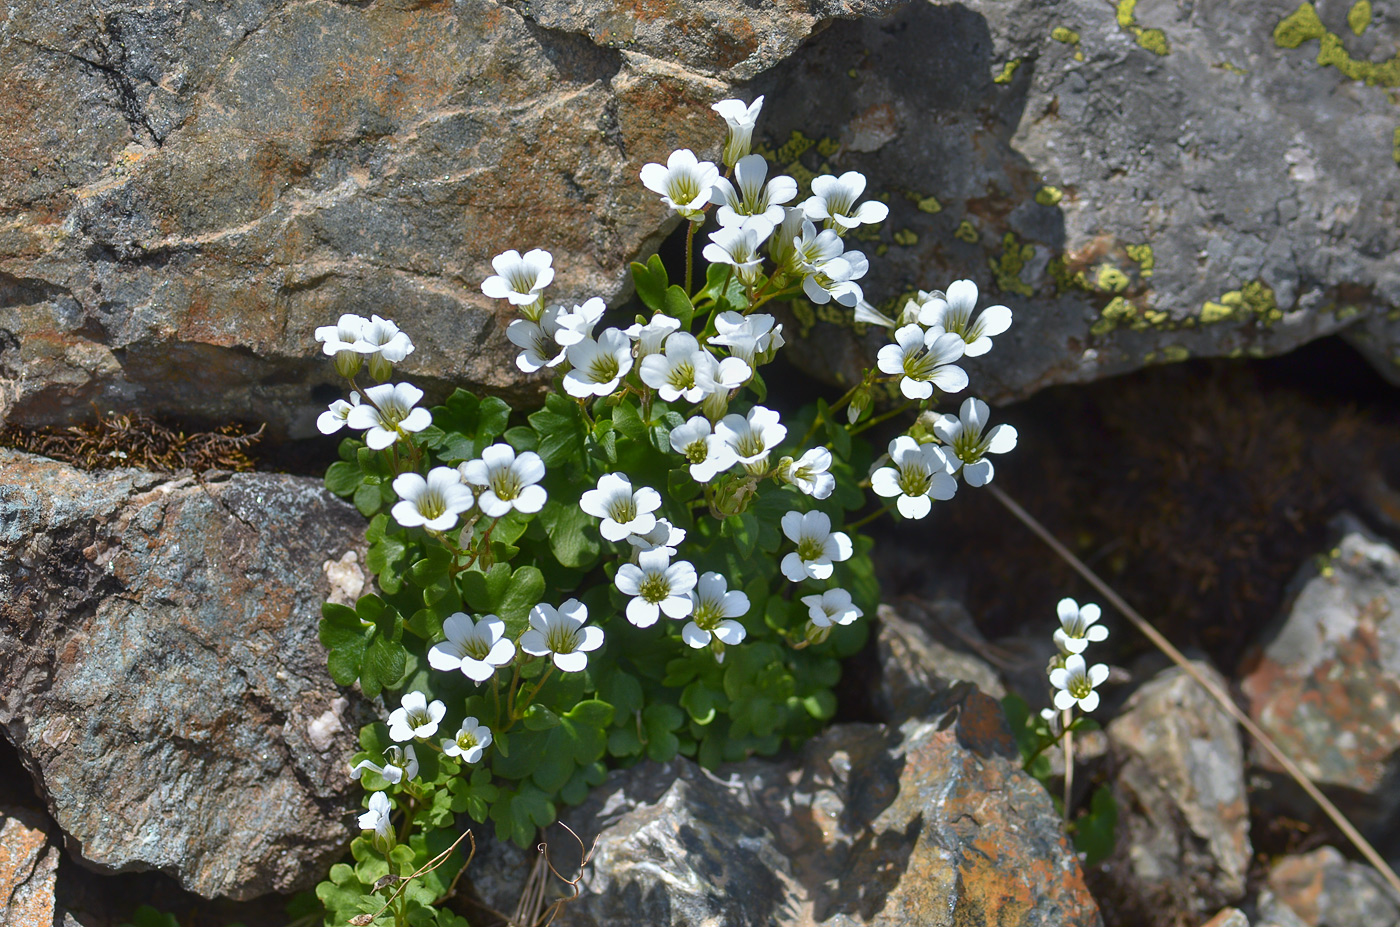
(918, 673)
(193, 190)
(1183, 822)
(28, 871)
(1270, 912)
(1323, 889)
(867, 825)
(1228, 917)
(1140, 182)
(1326, 682)
(160, 672)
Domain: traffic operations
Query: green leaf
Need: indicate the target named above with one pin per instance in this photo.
(522, 438)
(680, 486)
(539, 718)
(368, 499)
(743, 529)
(343, 477)
(384, 664)
(699, 701)
(592, 712)
(677, 305)
(573, 538)
(1095, 831)
(561, 429)
(343, 636)
(651, 281)
(468, 425)
(624, 693)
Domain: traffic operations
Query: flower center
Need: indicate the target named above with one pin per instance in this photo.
(810, 549)
(477, 648)
(417, 719)
(697, 451)
(1075, 628)
(654, 588)
(623, 509)
(391, 414)
(1080, 687)
(684, 189)
(603, 368)
(751, 444)
(918, 365)
(505, 483)
(466, 740)
(955, 321)
(431, 504)
(682, 375)
(562, 639)
(522, 279)
(914, 479)
(708, 614)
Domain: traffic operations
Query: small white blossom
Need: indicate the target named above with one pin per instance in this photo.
(335, 417)
(623, 510)
(813, 249)
(377, 818)
(952, 312)
(683, 183)
(783, 243)
(811, 473)
(752, 436)
(471, 741)
(389, 413)
(836, 280)
(716, 379)
(415, 717)
(672, 372)
(834, 199)
(1078, 626)
(539, 339)
(510, 481)
(749, 197)
(967, 447)
(400, 765)
(752, 338)
(598, 366)
(475, 648)
(562, 633)
(664, 537)
(651, 336)
(433, 503)
(740, 118)
(577, 324)
(342, 335)
(738, 245)
(656, 585)
(382, 338)
(867, 314)
(707, 453)
(919, 475)
(817, 546)
(1076, 682)
(925, 359)
(832, 607)
(518, 278)
(714, 608)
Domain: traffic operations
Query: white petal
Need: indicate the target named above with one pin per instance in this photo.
(575, 662)
(694, 635)
(914, 506)
(994, 320)
(1063, 700)
(1098, 673)
(979, 473)
(1088, 702)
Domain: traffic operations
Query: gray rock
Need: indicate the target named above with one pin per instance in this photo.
(1183, 820)
(1139, 182)
(1323, 889)
(1228, 917)
(160, 671)
(28, 871)
(919, 674)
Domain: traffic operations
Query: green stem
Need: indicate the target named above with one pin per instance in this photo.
(689, 254)
(869, 518)
(529, 699)
(771, 296)
(817, 421)
(883, 417)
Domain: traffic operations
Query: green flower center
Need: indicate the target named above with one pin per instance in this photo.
(697, 451)
(914, 479)
(561, 639)
(654, 588)
(810, 549)
(466, 740)
(505, 483)
(603, 368)
(1080, 687)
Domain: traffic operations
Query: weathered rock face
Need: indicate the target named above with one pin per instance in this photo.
(1183, 822)
(28, 871)
(189, 191)
(1140, 182)
(160, 672)
(869, 825)
(1323, 889)
(1326, 686)
(919, 675)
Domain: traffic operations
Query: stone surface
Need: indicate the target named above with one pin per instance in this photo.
(1183, 820)
(189, 190)
(867, 825)
(1326, 683)
(28, 871)
(160, 672)
(1229, 197)
(1228, 917)
(919, 674)
(1323, 889)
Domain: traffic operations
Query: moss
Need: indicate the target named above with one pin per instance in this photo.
(1110, 279)
(1008, 71)
(1049, 196)
(966, 232)
(1068, 36)
(1007, 268)
(1144, 258)
(1359, 16)
(906, 237)
(1303, 25)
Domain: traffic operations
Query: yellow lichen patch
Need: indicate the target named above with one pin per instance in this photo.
(1396, 152)
(1118, 312)
(928, 204)
(1359, 16)
(1142, 255)
(1232, 68)
(806, 316)
(1049, 196)
(906, 237)
(1110, 279)
(1007, 268)
(1064, 279)
(1346, 312)
(1008, 70)
(1215, 312)
(1303, 25)
(1154, 40)
(1171, 354)
(966, 232)
(1255, 299)
(827, 147)
(1062, 34)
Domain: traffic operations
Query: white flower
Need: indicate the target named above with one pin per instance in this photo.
(738, 245)
(952, 312)
(598, 365)
(715, 379)
(715, 607)
(389, 413)
(1078, 627)
(817, 546)
(752, 338)
(967, 447)
(415, 717)
(752, 198)
(519, 279)
(475, 648)
(835, 280)
(869, 315)
(334, 418)
(377, 817)
(683, 183)
(926, 360)
(663, 537)
(672, 373)
(577, 324)
(562, 633)
(656, 585)
(623, 510)
(811, 474)
(433, 503)
(740, 118)
(382, 337)
(342, 335)
(833, 607)
(649, 337)
(782, 245)
(752, 436)
(834, 199)
(812, 249)
(509, 480)
(400, 764)
(471, 741)
(539, 339)
(1076, 683)
(708, 454)
(920, 474)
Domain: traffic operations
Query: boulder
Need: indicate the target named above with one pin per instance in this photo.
(1323, 889)
(28, 871)
(919, 673)
(160, 672)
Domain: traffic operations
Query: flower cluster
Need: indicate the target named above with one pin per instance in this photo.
(1072, 678)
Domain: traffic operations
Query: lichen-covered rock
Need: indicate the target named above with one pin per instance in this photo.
(1323, 889)
(28, 871)
(1141, 181)
(1326, 684)
(920, 675)
(190, 190)
(868, 825)
(160, 672)
(1183, 821)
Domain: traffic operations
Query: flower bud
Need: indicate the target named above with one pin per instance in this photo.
(860, 402)
(715, 405)
(347, 363)
(816, 634)
(733, 498)
(380, 369)
(717, 648)
(534, 310)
